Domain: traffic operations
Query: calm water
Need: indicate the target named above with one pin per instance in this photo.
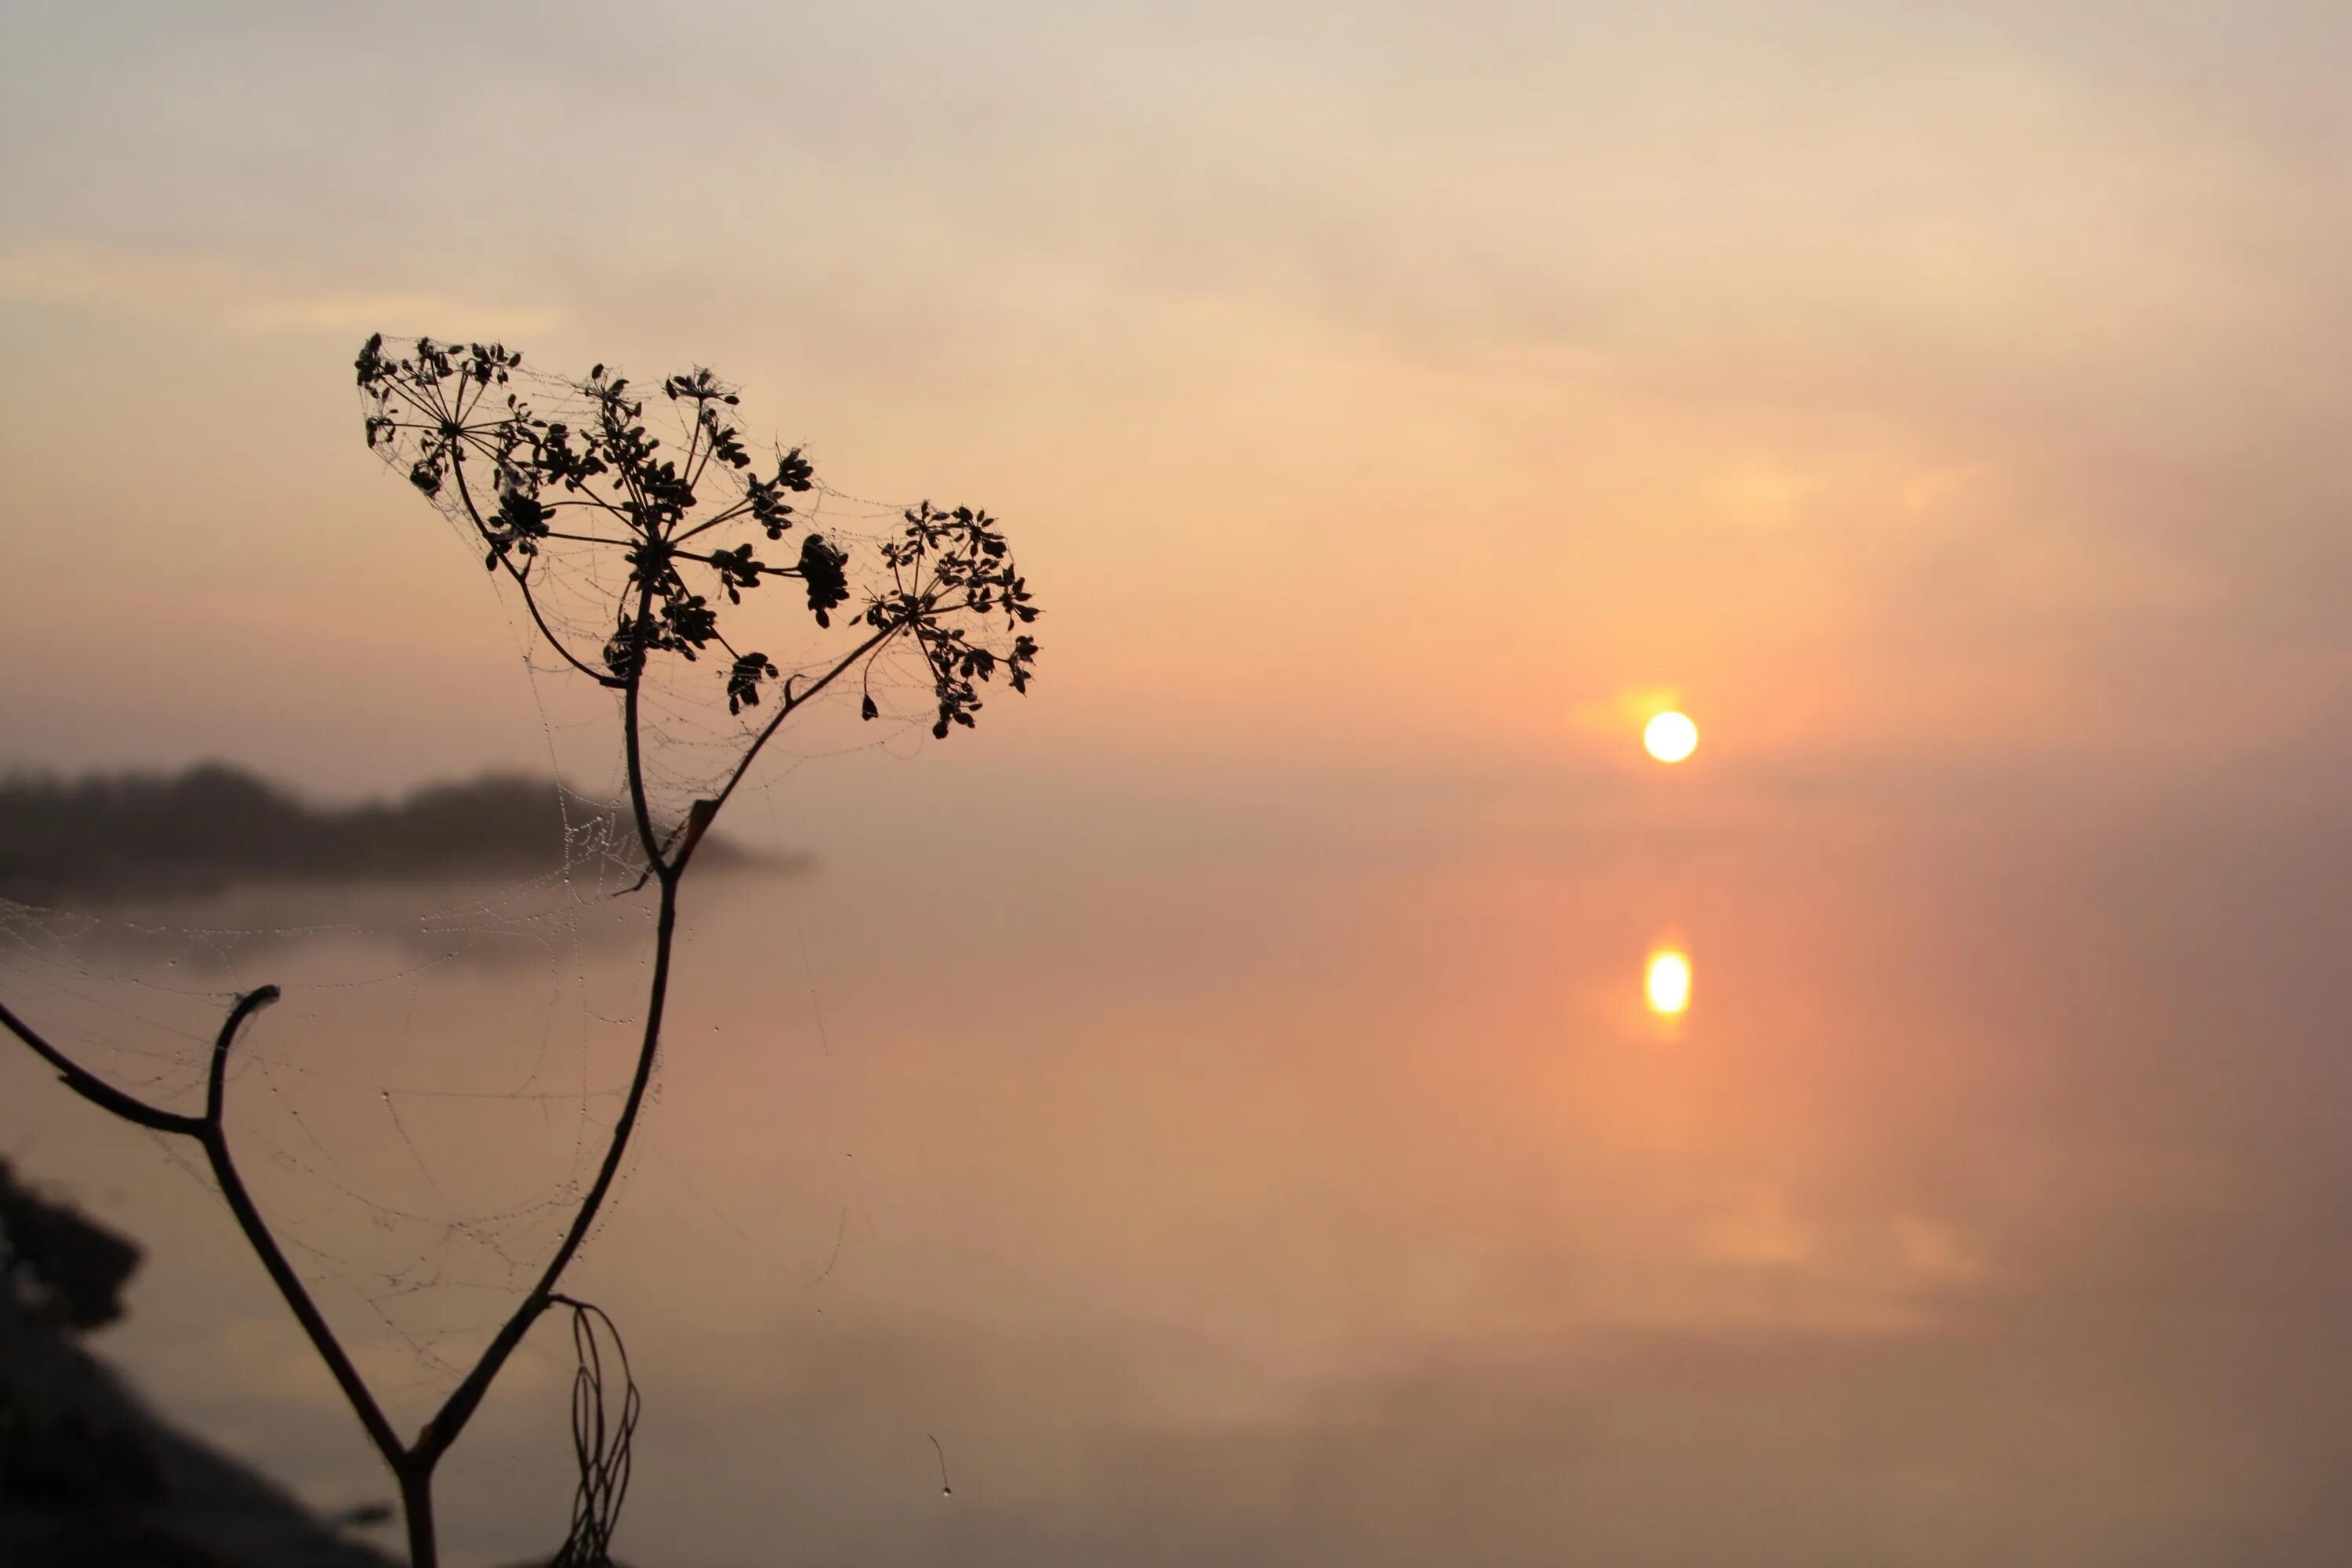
(1313, 1185)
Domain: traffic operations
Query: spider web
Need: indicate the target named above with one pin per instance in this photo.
(421, 1113)
(403, 1046)
(577, 577)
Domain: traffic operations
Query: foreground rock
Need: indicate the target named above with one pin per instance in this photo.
(89, 1477)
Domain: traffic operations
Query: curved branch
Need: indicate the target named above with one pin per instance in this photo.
(216, 1076)
(530, 600)
(633, 744)
(784, 710)
(96, 1089)
(728, 515)
(210, 1131)
(458, 1408)
(213, 1135)
(530, 603)
(450, 1420)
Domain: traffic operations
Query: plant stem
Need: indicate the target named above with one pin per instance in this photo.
(413, 1464)
(211, 1131)
(417, 1506)
(442, 1430)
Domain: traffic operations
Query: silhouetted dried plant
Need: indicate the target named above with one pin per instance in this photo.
(622, 551)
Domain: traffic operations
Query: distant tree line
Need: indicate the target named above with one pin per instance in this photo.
(214, 826)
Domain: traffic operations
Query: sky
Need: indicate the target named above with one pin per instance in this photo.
(1392, 407)
(1903, 384)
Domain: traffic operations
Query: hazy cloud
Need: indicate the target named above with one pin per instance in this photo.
(203, 289)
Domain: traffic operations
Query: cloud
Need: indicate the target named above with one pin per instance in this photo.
(1937, 1253)
(341, 314)
(200, 288)
(1758, 1230)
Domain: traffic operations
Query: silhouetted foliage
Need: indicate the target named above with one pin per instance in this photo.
(658, 539)
(461, 426)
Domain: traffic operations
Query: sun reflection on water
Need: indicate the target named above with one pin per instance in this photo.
(1667, 982)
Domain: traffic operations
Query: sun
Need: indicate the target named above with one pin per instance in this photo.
(1671, 737)
(1668, 982)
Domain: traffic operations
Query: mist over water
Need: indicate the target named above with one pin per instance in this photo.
(1219, 1110)
(1286, 1193)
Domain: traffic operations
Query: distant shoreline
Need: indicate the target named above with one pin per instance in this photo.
(215, 827)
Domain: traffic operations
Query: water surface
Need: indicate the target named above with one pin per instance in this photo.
(1315, 1186)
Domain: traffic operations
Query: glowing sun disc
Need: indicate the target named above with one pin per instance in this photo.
(1671, 737)
(1667, 982)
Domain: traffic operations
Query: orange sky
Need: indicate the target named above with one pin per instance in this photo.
(1899, 386)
